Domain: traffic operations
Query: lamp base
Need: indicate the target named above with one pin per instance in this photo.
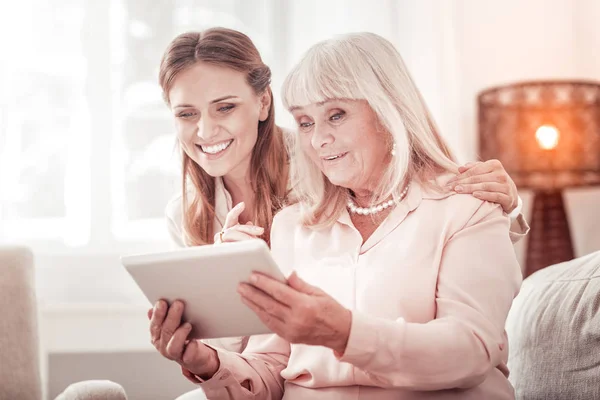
(549, 239)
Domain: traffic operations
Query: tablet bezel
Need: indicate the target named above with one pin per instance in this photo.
(213, 306)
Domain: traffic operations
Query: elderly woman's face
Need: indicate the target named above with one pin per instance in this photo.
(344, 139)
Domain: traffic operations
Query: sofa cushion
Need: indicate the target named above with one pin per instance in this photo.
(554, 332)
(19, 351)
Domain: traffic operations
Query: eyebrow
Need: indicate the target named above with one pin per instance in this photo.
(217, 100)
(319, 104)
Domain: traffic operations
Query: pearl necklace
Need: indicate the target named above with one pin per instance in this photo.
(353, 208)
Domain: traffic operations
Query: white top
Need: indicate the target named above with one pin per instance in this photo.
(174, 213)
(429, 293)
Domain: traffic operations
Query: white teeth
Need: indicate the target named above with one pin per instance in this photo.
(333, 157)
(217, 148)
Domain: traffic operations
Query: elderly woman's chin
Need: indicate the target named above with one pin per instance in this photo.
(350, 176)
(344, 179)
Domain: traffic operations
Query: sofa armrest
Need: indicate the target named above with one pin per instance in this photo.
(93, 390)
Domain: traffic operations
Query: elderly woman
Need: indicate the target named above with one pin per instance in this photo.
(400, 288)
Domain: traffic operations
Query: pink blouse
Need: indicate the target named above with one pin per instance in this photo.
(429, 293)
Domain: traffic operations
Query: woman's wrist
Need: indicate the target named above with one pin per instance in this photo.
(210, 368)
(514, 213)
(344, 326)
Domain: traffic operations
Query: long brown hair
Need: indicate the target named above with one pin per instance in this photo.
(269, 163)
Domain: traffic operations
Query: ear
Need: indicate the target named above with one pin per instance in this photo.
(265, 106)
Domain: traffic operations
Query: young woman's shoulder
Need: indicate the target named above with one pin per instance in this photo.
(174, 219)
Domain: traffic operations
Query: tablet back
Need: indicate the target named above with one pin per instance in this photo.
(205, 278)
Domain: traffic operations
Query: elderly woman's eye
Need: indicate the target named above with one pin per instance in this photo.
(337, 116)
(305, 124)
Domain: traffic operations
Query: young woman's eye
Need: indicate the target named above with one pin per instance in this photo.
(186, 114)
(225, 109)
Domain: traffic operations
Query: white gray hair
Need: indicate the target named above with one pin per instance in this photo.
(364, 66)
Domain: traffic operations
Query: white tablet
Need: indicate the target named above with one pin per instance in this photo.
(206, 278)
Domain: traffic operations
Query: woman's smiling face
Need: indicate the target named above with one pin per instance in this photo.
(343, 138)
(216, 116)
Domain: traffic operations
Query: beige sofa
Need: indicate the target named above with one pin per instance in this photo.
(554, 333)
(20, 376)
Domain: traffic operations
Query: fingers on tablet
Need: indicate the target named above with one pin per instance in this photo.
(170, 325)
(234, 215)
(250, 229)
(177, 343)
(237, 234)
(156, 321)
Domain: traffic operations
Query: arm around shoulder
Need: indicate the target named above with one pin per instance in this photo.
(518, 225)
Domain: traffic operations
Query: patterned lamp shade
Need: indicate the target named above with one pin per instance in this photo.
(547, 136)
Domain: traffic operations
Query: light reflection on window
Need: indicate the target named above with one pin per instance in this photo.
(45, 127)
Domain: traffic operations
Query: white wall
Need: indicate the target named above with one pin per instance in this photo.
(512, 40)
(587, 37)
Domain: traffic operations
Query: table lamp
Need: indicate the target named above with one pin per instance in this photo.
(547, 136)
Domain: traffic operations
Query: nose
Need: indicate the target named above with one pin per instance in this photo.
(322, 136)
(207, 129)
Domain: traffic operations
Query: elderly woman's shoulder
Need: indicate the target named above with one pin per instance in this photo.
(472, 206)
(288, 215)
(458, 206)
(284, 227)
